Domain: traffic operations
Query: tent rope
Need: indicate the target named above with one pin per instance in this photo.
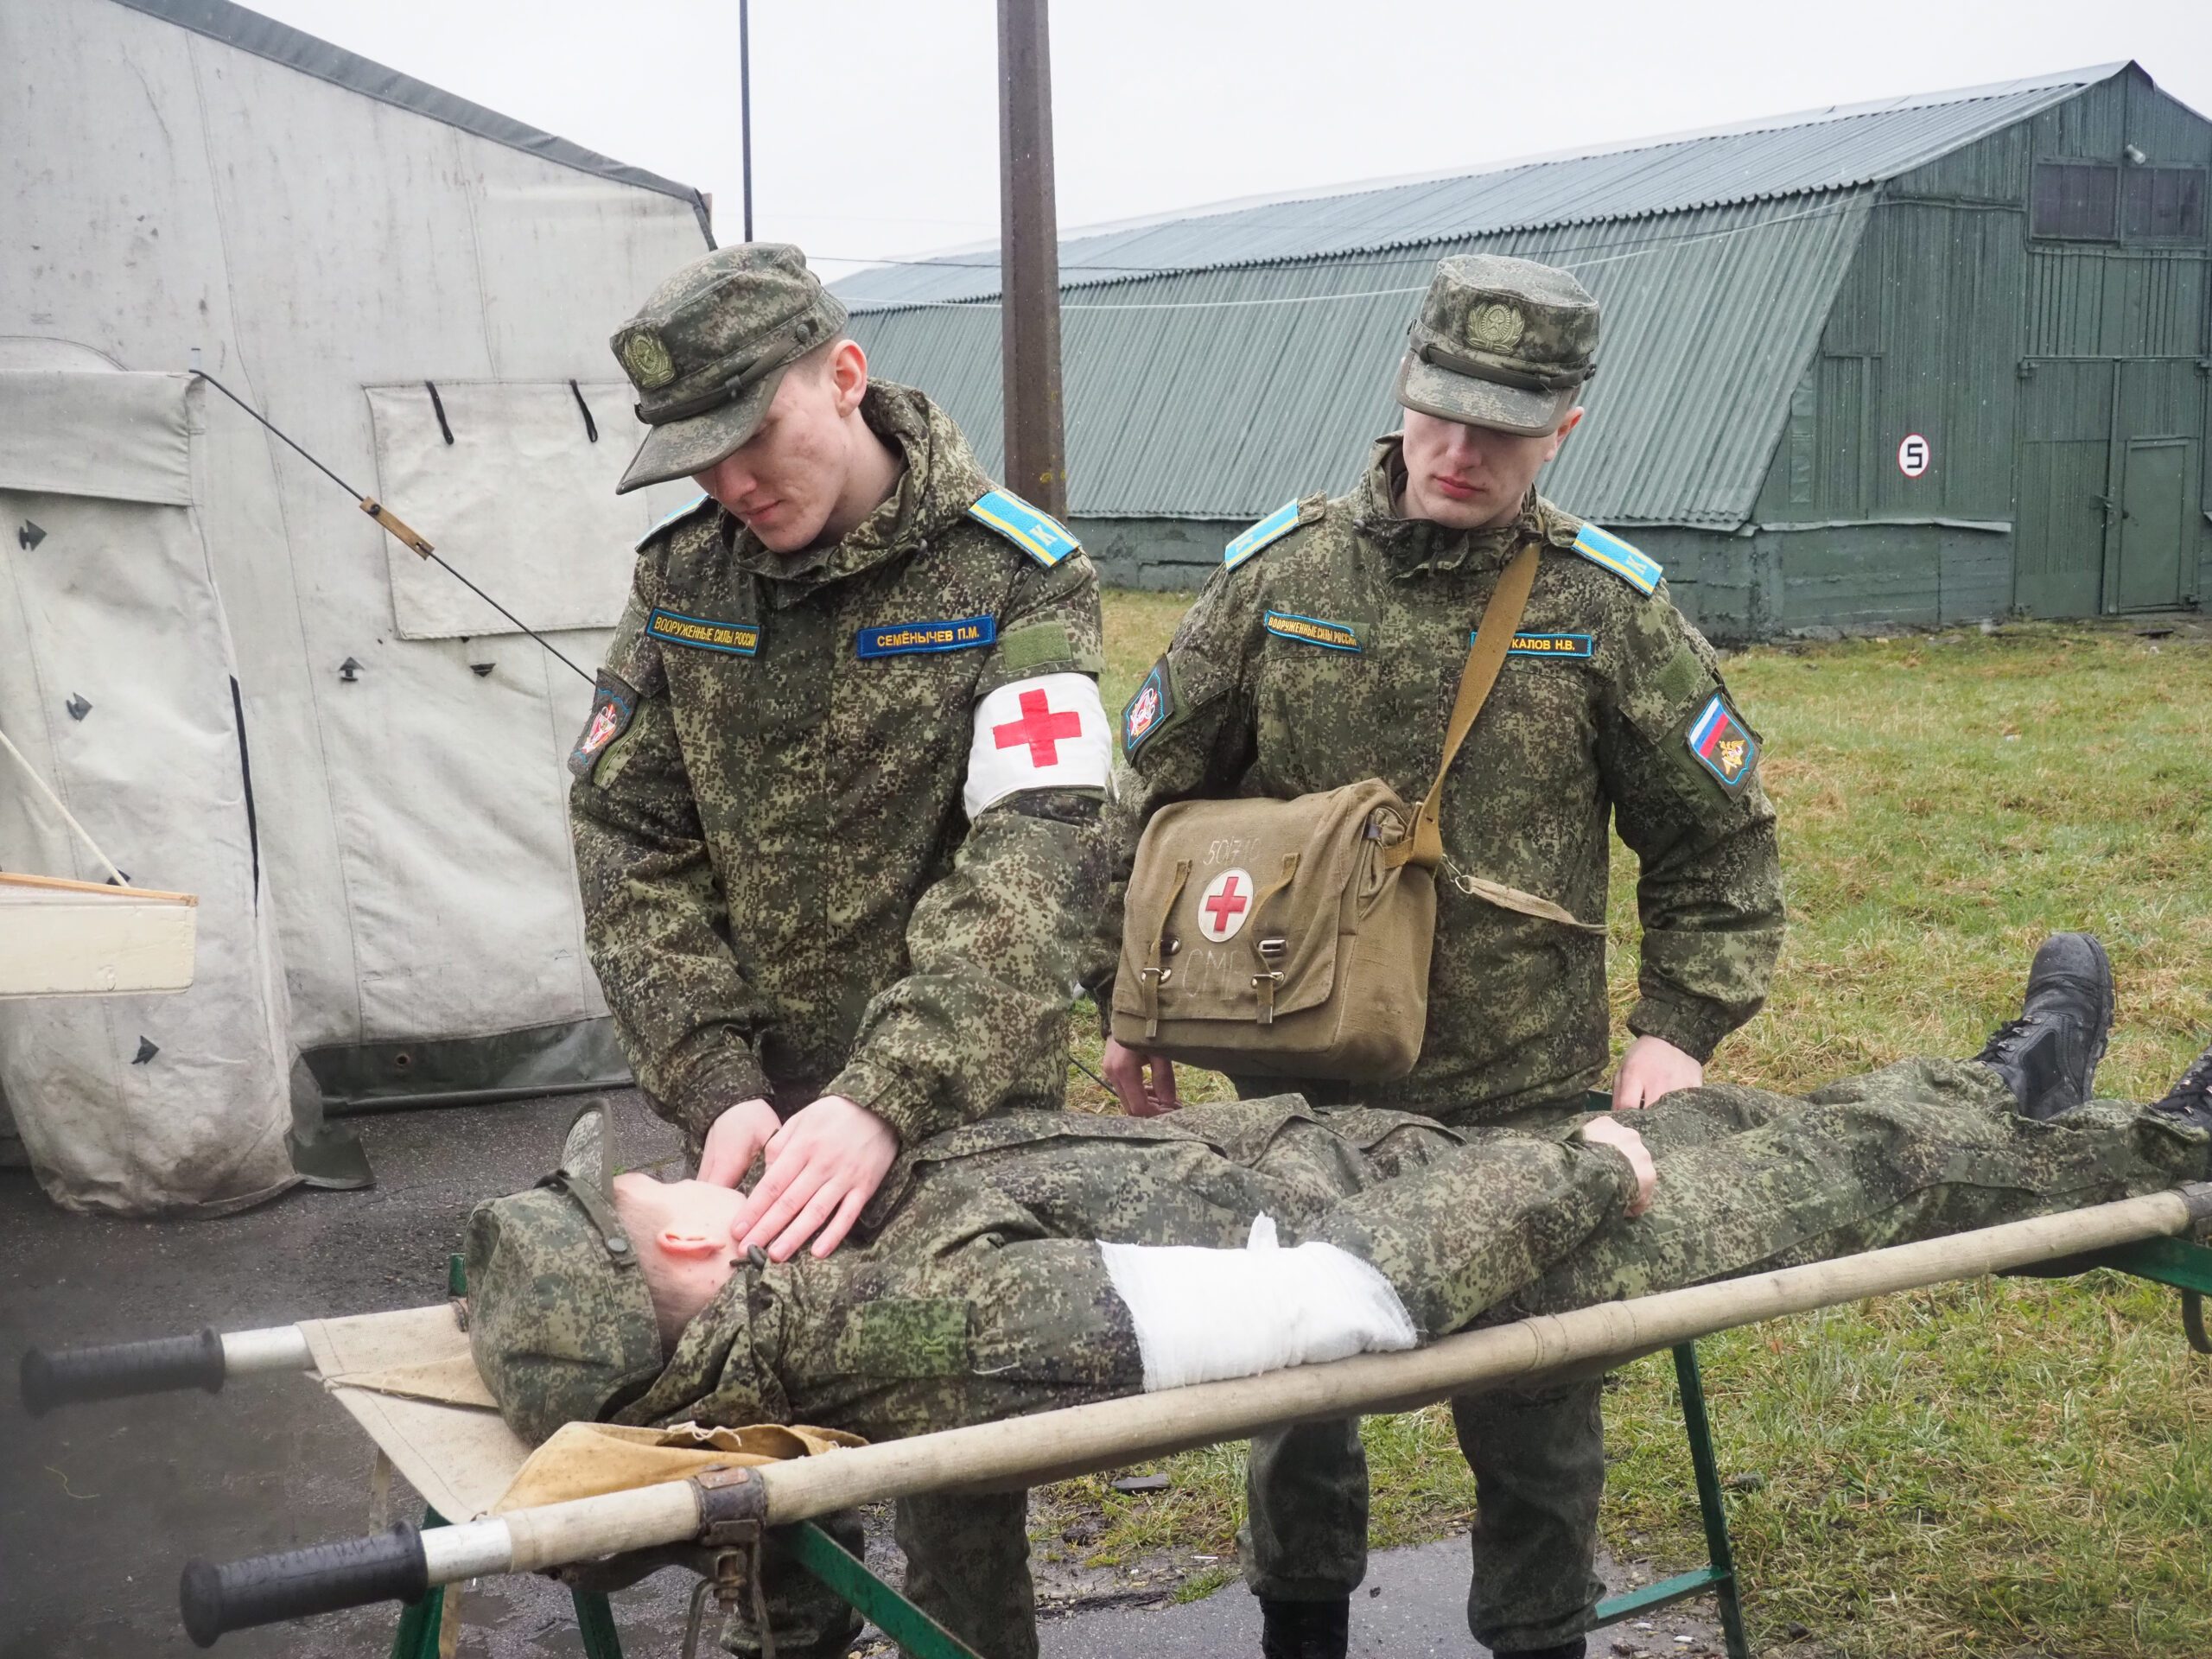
(369, 506)
(67, 817)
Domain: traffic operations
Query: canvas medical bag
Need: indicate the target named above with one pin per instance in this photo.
(1292, 938)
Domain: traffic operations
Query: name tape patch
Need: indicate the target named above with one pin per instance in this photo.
(1039, 535)
(1314, 631)
(738, 639)
(1718, 739)
(905, 638)
(1549, 644)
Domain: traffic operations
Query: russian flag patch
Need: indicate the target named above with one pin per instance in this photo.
(1721, 743)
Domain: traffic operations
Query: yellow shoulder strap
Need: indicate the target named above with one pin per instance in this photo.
(1493, 638)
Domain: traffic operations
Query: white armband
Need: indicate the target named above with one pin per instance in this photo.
(1045, 733)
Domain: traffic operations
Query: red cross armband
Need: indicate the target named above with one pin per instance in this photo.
(1045, 733)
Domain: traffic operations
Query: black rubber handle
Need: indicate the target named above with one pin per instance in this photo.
(126, 1368)
(322, 1579)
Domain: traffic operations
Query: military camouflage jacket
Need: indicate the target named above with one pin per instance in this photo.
(785, 893)
(1327, 650)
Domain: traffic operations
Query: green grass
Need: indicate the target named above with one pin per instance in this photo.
(2002, 1467)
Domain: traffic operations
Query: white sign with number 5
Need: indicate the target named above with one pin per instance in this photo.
(1913, 455)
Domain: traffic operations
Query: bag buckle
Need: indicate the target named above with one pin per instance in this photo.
(1265, 983)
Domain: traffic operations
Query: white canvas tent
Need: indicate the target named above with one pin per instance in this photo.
(420, 292)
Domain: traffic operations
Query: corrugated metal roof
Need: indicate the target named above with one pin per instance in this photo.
(1218, 394)
(1812, 152)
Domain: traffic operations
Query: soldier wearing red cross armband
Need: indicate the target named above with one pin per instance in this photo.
(835, 805)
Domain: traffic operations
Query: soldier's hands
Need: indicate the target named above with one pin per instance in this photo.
(734, 1139)
(824, 1165)
(1141, 1096)
(1652, 1067)
(1605, 1131)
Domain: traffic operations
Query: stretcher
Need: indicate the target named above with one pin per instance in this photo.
(406, 1378)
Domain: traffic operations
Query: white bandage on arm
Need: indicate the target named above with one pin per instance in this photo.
(1203, 1315)
(1045, 733)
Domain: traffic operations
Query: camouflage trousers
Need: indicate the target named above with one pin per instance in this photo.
(979, 1294)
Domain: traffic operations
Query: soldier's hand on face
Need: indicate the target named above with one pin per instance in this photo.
(1605, 1131)
(1652, 1067)
(1142, 1095)
(824, 1165)
(734, 1139)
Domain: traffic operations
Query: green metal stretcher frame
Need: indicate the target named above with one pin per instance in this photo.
(2180, 1264)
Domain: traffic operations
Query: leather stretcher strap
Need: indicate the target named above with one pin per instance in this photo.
(1493, 638)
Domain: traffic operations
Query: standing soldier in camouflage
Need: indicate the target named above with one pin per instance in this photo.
(833, 807)
(1326, 650)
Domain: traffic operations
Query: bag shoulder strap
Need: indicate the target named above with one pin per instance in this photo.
(1493, 638)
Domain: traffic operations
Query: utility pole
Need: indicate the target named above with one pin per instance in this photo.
(1029, 259)
(744, 103)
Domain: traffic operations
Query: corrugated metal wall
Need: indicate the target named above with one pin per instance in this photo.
(1221, 394)
(1923, 339)
(2035, 370)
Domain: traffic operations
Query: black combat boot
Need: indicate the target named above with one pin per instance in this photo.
(2048, 1056)
(2188, 1101)
(1305, 1629)
(1577, 1649)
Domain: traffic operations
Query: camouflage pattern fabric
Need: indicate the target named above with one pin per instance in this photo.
(1499, 342)
(783, 894)
(980, 1293)
(976, 1294)
(1589, 722)
(1517, 1012)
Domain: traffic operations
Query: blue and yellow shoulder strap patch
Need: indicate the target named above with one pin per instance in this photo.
(681, 513)
(1039, 535)
(1270, 529)
(1601, 547)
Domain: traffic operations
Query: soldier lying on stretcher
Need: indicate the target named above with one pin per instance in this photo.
(1047, 1259)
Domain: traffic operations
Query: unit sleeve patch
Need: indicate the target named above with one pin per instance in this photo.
(1039, 535)
(614, 706)
(1724, 746)
(1153, 708)
(1048, 732)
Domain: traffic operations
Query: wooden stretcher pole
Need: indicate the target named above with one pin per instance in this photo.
(719, 1508)
(1027, 1451)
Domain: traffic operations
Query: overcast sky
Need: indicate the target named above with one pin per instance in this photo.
(875, 124)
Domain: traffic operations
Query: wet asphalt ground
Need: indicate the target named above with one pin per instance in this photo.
(101, 1505)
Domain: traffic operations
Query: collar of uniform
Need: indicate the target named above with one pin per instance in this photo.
(1417, 546)
(940, 480)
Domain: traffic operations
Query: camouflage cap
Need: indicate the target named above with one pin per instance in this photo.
(559, 1318)
(708, 349)
(1499, 342)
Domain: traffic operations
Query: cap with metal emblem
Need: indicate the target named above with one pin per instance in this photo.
(1499, 342)
(708, 349)
(560, 1323)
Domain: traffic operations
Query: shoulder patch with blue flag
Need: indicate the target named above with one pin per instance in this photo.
(1722, 744)
(681, 513)
(903, 639)
(1271, 529)
(1601, 547)
(1039, 535)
